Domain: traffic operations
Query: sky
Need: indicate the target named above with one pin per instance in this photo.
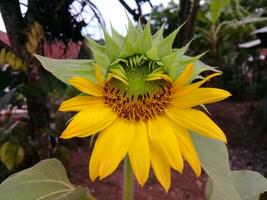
(112, 11)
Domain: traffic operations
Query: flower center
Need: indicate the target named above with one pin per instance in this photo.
(140, 99)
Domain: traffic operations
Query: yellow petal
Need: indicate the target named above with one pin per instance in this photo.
(96, 156)
(99, 77)
(80, 103)
(116, 140)
(86, 86)
(112, 75)
(199, 96)
(90, 121)
(197, 121)
(196, 85)
(162, 135)
(159, 77)
(139, 154)
(188, 149)
(160, 167)
(184, 77)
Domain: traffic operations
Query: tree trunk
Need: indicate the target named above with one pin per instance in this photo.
(16, 27)
(188, 14)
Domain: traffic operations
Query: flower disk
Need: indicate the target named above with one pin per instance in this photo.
(137, 98)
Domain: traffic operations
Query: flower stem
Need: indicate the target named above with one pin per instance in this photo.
(127, 180)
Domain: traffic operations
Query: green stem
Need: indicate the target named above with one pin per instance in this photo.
(127, 180)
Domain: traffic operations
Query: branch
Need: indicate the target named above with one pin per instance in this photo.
(13, 21)
(135, 15)
(188, 13)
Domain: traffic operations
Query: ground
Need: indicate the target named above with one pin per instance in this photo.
(246, 148)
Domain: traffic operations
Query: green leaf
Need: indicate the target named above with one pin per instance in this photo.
(47, 180)
(214, 160)
(249, 184)
(216, 7)
(11, 154)
(65, 69)
(5, 100)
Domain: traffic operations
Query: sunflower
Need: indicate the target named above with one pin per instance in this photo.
(142, 103)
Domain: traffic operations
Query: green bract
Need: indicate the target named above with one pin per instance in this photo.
(137, 46)
(153, 48)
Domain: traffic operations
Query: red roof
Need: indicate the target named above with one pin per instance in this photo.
(59, 50)
(54, 49)
(4, 38)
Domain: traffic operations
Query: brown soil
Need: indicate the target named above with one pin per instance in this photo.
(244, 148)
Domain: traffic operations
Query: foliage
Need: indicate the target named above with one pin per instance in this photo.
(26, 87)
(224, 184)
(47, 180)
(11, 154)
(212, 152)
(216, 7)
(167, 16)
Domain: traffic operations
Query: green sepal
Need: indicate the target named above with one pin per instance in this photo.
(165, 46)
(99, 53)
(198, 66)
(66, 69)
(102, 60)
(152, 54)
(172, 61)
(158, 36)
(128, 49)
(132, 33)
(93, 45)
(145, 41)
(119, 39)
(118, 61)
(112, 48)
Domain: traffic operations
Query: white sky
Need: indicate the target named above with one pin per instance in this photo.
(112, 11)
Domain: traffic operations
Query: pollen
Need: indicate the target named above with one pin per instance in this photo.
(137, 107)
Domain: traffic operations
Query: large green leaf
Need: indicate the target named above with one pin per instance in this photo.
(249, 184)
(47, 180)
(65, 69)
(216, 7)
(214, 160)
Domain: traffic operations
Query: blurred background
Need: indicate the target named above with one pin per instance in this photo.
(233, 33)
